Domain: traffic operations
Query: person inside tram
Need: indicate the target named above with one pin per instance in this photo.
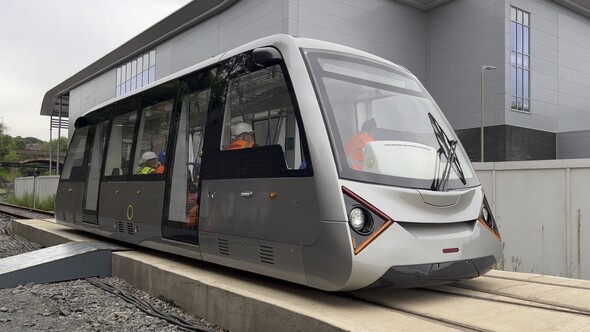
(192, 204)
(243, 136)
(354, 148)
(149, 163)
(161, 160)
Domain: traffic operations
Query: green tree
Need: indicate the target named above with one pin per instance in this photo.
(63, 145)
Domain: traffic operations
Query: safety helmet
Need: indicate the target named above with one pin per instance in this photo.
(147, 156)
(241, 127)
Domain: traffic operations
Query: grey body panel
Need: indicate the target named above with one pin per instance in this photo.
(243, 226)
(69, 201)
(132, 210)
(275, 259)
(244, 207)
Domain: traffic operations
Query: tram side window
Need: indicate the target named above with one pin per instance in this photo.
(120, 145)
(152, 138)
(259, 112)
(74, 167)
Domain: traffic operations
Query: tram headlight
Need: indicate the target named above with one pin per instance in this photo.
(360, 220)
(485, 214)
(487, 218)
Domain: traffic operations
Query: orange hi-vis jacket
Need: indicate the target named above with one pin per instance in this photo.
(354, 149)
(240, 144)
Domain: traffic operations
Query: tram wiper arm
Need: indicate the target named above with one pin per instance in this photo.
(448, 149)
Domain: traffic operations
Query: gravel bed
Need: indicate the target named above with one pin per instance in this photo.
(78, 305)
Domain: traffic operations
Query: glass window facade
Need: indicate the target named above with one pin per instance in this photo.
(136, 73)
(520, 60)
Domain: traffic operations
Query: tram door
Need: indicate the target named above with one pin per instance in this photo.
(134, 172)
(183, 193)
(257, 175)
(77, 197)
(70, 192)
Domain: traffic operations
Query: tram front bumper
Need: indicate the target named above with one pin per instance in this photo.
(421, 275)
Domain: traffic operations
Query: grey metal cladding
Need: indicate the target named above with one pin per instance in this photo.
(135, 201)
(291, 217)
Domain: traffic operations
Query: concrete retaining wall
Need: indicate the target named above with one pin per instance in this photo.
(543, 213)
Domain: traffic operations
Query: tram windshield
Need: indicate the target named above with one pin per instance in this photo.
(384, 126)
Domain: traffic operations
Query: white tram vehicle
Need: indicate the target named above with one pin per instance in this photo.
(298, 205)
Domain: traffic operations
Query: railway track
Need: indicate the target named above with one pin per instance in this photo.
(500, 301)
(24, 212)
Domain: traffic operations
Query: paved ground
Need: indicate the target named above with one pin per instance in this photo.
(81, 306)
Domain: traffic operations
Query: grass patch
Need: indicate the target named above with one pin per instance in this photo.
(27, 201)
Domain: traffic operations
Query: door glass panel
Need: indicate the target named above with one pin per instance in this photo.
(120, 145)
(94, 165)
(187, 163)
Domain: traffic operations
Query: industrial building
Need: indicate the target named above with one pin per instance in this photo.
(519, 67)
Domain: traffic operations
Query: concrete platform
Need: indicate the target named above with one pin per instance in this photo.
(232, 299)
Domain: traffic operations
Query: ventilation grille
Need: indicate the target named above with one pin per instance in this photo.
(63, 216)
(120, 226)
(74, 218)
(266, 254)
(223, 246)
(130, 228)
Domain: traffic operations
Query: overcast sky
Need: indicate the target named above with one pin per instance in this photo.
(44, 42)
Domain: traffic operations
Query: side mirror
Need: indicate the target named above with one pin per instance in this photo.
(80, 122)
(266, 56)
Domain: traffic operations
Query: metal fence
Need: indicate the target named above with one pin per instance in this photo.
(42, 186)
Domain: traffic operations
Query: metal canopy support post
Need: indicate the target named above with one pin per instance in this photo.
(50, 138)
(59, 133)
(60, 122)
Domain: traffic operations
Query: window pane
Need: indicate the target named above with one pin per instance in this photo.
(513, 81)
(133, 68)
(519, 82)
(513, 14)
(519, 60)
(513, 103)
(152, 135)
(152, 58)
(525, 40)
(120, 143)
(519, 16)
(525, 62)
(145, 77)
(513, 36)
(526, 19)
(519, 38)
(74, 167)
(525, 106)
(152, 74)
(525, 83)
(259, 113)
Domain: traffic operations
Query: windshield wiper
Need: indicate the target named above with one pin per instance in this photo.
(448, 149)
